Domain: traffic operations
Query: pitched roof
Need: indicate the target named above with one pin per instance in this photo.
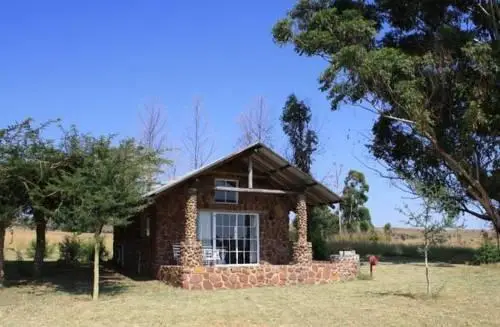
(275, 166)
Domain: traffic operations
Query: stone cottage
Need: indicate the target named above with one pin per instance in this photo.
(226, 225)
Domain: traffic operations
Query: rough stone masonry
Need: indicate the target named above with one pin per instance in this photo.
(340, 268)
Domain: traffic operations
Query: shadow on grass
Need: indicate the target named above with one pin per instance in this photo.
(412, 261)
(399, 294)
(57, 277)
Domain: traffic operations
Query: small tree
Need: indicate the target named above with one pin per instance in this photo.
(388, 232)
(436, 213)
(105, 189)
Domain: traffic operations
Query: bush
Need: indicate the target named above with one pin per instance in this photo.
(87, 250)
(320, 249)
(74, 250)
(374, 236)
(365, 226)
(487, 253)
(50, 249)
(70, 249)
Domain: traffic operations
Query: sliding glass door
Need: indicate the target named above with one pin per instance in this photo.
(233, 237)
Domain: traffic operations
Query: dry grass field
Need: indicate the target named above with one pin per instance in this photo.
(464, 296)
(472, 238)
(18, 239)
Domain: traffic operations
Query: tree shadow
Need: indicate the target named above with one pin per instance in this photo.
(414, 261)
(397, 293)
(58, 277)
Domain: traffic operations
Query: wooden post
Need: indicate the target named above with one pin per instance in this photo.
(250, 172)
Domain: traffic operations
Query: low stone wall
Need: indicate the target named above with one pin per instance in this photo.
(208, 278)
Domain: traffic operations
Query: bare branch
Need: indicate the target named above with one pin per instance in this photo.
(197, 141)
(255, 125)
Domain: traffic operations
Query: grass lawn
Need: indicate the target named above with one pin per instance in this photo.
(466, 296)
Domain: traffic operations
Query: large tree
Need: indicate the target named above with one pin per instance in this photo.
(12, 192)
(106, 188)
(296, 123)
(354, 213)
(430, 70)
(44, 160)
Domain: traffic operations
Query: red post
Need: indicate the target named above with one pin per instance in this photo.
(373, 262)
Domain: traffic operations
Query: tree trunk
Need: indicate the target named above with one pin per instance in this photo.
(427, 276)
(41, 227)
(2, 243)
(95, 292)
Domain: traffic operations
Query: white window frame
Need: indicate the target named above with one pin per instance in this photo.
(214, 238)
(237, 182)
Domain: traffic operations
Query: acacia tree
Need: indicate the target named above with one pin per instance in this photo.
(12, 193)
(430, 71)
(255, 125)
(355, 214)
(44, 161)
(436, 214)
(296, 123)
(106, 188)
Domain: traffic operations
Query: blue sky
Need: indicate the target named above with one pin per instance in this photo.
(97, 63)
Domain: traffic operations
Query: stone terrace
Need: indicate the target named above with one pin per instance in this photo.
(207, 278)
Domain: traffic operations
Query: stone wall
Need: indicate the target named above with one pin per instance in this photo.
(272, 209)
(208, 278)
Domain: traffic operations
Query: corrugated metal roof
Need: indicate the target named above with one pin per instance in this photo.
(279, 170)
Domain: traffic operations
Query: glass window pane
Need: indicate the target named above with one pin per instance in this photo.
(220, 182)
(220, 196)
(232, 220)
(253, 220)
(240, 245)
(204, 230)
(241, 220)
(252, 232)
(232, 183)
(225, 220)
(253, 246)
(253, 257)
(219, 232)
(241, 232)
(231, 197)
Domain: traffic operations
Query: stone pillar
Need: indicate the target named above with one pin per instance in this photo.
(190, 248)
(302, 250)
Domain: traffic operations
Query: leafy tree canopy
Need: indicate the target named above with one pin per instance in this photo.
(355, 214)
(430, 71)
(107, 186)
(296, 120)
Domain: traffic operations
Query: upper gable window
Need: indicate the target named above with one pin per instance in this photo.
(226, 196)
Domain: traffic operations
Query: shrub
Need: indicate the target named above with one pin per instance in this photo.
(320, 249)
(487, 253)
(365, 226)
(70, 249)
(74, 250)
(87, 251)
(50, 249)
(374, 236)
